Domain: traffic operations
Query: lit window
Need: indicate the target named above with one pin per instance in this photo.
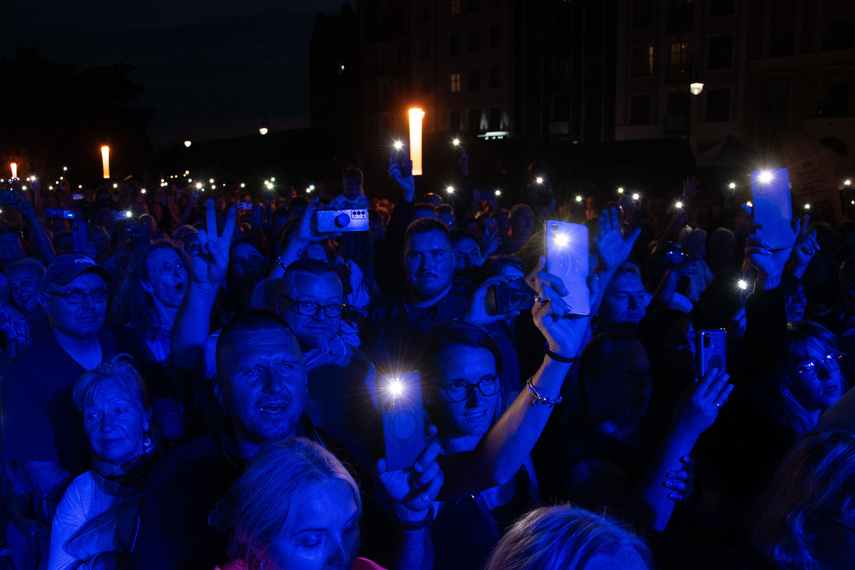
(455, 82)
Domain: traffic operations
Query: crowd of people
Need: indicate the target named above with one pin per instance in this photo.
(205, 384)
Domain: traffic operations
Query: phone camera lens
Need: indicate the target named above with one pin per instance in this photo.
(706, 341)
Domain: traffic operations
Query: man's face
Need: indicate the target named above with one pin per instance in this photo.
(261, 382)
(167, 277)
(352, 192)
(304, 292)
(428, 264)
(24, 287)
(467, 252)
(625, 300)
(10, 246)
(82, 320)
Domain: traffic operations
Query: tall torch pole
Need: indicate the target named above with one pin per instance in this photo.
(416, 116)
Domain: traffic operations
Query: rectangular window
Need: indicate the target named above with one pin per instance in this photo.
(773, 113)
(640, 110)
(642, 61)
(679, 16)
(677, 115)
(474, 122)
(718, 105)
(494, 81)
(455, 7)
(642, 14)
(454, 121)
(453, 44)
(495, 39)
(721, 8)
(494, 122)
(680, 62)
(474, 83)
(455, 82)
(474, 43)
(720, 52)
(782, 41)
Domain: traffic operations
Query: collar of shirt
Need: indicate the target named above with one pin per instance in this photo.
(335, 347)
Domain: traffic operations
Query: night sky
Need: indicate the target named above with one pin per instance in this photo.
(211, 69)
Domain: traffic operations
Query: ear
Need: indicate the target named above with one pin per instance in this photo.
(453, 258)
(217, 391)
(147, 420)
(44, 301)
(146, 286)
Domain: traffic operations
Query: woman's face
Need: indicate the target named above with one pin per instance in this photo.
(115, 423)
(323, 531)
(248, 263)
(816, 379)
(474, 415)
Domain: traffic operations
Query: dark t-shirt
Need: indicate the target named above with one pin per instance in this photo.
(40, 422)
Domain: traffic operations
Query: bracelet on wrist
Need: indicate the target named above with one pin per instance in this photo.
(541, 400)
(281, 263)
(560, 358)
(418, 525)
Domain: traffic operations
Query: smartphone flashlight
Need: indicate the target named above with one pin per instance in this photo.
(450, 189)
(732, 185)
(765, 177)
(579, 199)
(807, 206)
(620, 190)
(399, 145)
(678, 205)
(562, 240)
(456, 142)
(128, 213)
(539, 180)
(636, 196)
(498, 192)
(742, 284)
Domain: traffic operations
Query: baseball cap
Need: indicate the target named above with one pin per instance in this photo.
(65, 268)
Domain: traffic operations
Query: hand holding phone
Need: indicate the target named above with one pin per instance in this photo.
(772, 205)
(403, 416)
(567, 258)
(711, 351)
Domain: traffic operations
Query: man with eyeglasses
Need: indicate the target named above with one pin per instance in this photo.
(310, 299)
(41, 427)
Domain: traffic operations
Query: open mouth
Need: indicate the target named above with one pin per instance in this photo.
(273, 409)
(180, 287)
(475, 415)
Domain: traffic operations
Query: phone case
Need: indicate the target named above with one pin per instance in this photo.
(712, 350)
(403, 415)
(567, 258)
(773, 207)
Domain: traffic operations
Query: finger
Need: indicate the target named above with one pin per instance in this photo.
(426, 457)
(531, 278)
(381, 466)
(430, 430)
(211, 217)
(429, 494)
(427, 475)
(717, 386)
(680, 476)
(229, 230)
(688, 461)
(706, 380)
(552, 281)
(676, 485)
(203, 238)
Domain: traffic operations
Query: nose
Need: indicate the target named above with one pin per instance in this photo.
(107, 423)
(340, 557)
(88, 301)
(823, 372)
(475, 397)
(273, 382)
(633, 302)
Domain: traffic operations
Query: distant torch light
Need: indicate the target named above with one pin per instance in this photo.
(620, 190)
(539, 180)
(807, 206)
(498, 192)
(416, 116)
(749, 204)
(14, 170)
(450, 189)
(242, 185)
(65, 169)
(128, 213)
(199, 185)
(105, 160)
(142, 191)
(263, 130)
(696, 88)
(188, 143)
(456, 142)
(847, 182)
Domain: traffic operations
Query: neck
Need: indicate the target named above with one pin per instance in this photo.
(165, 315)
(247, 447)
(421, 303)
(86, 351)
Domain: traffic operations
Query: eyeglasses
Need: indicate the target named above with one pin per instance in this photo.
(458, 390)
(838, 523)
(76, 296)
(810, 368)
(309, 309)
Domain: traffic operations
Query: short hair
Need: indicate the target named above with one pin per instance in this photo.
(815, 479)
(249, 322)
(262, 497)
(458, 234)
(120, 372)
(424, 226)
(308, 265)
(28, 263)
(495, 263)
(783, 404)
(562, 536)
(352, 177)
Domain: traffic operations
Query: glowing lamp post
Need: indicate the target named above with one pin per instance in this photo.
(14, 170)
(105, 160)
(416, 116)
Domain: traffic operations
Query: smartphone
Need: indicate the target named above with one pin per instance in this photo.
(711, 350)
(403, 415)
(773, 209)
(567, 258)
(77, 197)
(79, 236)
(404, 164)
(140, 237)
(120, 215)
(509, 297)
(243, 205)
(491, 224)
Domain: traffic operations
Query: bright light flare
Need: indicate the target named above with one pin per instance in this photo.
(579, 199)
(678, 205)
(450, 189)
(539, 179)
(847, 182)
(14, 170)
(188, 143)
(765, 177)
(128, 214)
(105, 161)
(456, 142)
(636, 196)
(416, 116)
(620, 190)
(395, 388)
(807, 206)
(498, 192)
(742, 284)
(732, 185)
(561, 240)
(263, 130)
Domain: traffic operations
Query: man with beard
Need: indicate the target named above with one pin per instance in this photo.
(433, 296)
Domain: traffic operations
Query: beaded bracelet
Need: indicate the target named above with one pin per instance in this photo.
(540, 400)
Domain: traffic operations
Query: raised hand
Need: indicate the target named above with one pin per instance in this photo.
(407, 183)
(412, 490)
(698, 406)
(211, 261)
(804, 249)
(477, 314)
(682, 481)
(564, 332)
(490, 242)
(690, 186)
(612, 248)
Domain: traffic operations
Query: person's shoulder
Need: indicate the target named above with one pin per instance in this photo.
(37, 356)
(194, 451)
(462, 287)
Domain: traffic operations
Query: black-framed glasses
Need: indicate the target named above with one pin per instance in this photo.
(76, 296)
(839, 523)
(810, 368)
(459, 390)
(309, 309)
